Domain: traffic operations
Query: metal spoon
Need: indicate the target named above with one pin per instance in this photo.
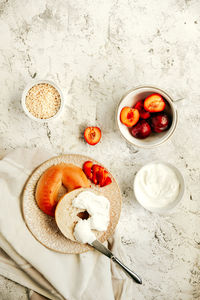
(101, 248)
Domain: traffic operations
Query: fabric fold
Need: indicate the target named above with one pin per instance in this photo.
(73, 277)
(19, 270)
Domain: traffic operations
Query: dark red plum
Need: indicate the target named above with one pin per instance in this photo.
(143, 113)
(160, 122)
(141, 130)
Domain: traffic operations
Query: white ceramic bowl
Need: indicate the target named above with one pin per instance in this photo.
(166, 209)
(130, 99)
(24, 94)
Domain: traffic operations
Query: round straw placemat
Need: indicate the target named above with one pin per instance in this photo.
(44, 227)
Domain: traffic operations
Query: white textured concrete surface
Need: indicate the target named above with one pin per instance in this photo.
(96, 51)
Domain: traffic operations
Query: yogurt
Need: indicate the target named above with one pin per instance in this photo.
(98, 208)
(156, 186)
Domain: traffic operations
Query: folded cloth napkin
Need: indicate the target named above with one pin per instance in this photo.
(64, 276)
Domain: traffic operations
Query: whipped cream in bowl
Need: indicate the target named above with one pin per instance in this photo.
(158, 186)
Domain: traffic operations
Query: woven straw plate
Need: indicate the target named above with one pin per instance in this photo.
(44, 228)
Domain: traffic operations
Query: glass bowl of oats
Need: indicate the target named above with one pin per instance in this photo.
(42, 100)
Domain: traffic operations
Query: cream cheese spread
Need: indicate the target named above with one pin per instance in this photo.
(98, 208)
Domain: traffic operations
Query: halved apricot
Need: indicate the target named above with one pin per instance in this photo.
(129, 116)
(154, 103)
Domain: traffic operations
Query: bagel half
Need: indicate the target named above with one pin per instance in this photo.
(51, 181)
(67, 215)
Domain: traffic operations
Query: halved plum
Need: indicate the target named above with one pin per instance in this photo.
(129, 116)
(92, 135)
(154, 103)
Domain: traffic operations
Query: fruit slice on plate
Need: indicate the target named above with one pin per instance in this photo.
(140, 107)
(97, 174)
(154, 103)
(92, 135)
(101, 176)
(87, 169)
(95, 171)
(107, 181)
(129, 116)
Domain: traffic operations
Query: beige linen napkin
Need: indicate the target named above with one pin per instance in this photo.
(74, 277)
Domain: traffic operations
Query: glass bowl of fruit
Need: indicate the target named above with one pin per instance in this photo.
(146, 116)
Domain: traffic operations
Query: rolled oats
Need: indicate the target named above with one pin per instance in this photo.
(43, 101)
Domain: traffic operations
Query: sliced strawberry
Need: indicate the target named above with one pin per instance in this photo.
(154, 103)
(96, 173)
(100, 176)
(87, 169)
(104, 178)
(107, 181)
(140, 107)
(92, 135)
(129, 116)
(95, 170)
